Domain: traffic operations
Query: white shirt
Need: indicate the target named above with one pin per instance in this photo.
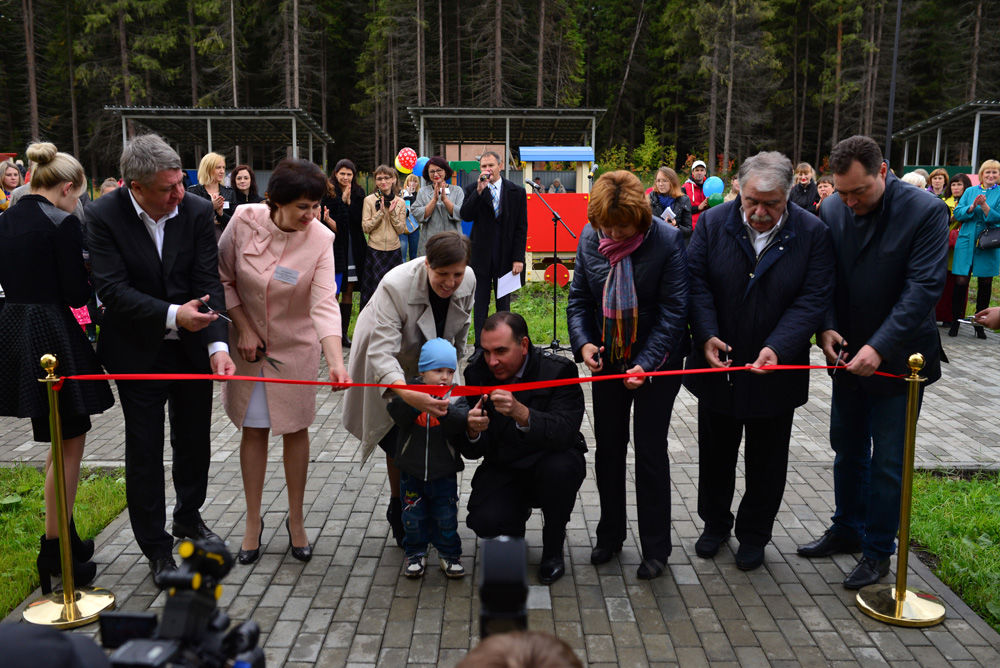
(760, 240)
(156, 229)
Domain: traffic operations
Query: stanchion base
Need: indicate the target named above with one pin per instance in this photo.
(919, 608)
(50, 610)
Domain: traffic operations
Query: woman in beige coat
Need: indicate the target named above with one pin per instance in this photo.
(383, 219)
(276, 265)
(425, 298)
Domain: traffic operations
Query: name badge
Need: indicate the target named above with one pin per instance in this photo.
(286, 275)
(225, 205)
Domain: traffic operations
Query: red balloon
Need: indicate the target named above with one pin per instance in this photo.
(407, 157)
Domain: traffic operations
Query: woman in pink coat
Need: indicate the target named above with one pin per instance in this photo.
(276, 265)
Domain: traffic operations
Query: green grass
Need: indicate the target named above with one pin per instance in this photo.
(956, 519)
(101, 497)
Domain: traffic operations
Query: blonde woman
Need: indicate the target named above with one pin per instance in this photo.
(43, 274)
(211, 174)
(411, 238)
(10, 178)
(383, 219)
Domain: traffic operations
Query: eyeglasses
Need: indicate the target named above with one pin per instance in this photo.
(435, 171)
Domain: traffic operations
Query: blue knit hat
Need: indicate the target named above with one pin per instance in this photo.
(437, 354)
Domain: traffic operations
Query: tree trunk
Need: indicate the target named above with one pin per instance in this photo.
(796, 152)
(126, 76)
(192, 56)
(74, 122)
(729, 85)
(29, 47)
(458, 57)
(870, 115)
(232, 51)
(322, 81)
(836, 89)
(286, 55)
(541, 54)
(393, 100)
(974, 60)
(421, 64)
(295, 53)
(497, 50)
(713, 105)
(799, 141)
(441, 96)
(628, 67)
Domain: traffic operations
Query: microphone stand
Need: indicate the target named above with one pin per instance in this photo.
(556, 221)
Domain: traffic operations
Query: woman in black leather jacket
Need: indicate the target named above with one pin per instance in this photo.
(628, 314)
(668, 194)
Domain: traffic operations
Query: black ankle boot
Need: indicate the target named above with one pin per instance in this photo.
(48, 564)
(83, 550)
(345, 321)
(953, 330)
(980, 332)
(394, 516)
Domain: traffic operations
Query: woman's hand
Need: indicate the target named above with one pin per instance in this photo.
(591, 355)
(248, 344)
(394, 203)
(330, 222)
(444, 194)
(338, 374)
(989, 317)
(634, 383)
(217, 202)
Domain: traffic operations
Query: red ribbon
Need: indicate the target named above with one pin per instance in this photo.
(459, 390)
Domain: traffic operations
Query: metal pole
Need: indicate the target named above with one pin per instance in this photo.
(310, 147)
(72, 607)
(917, 161)
(208, 122)
(892, 84)
(124, 132)
(898, 605)
(506, 145)
(975, 141)
(937, 149)
(421, 148)
(906, 152)
(295, 139)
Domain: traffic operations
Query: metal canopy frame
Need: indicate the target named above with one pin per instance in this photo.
(514, 126)
(229, 125)
(952, 125)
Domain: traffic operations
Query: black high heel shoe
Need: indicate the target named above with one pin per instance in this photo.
(83, 550)
(250, 556)
(300, 553)
(49, 564)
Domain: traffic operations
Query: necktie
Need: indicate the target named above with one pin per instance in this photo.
(495, 190)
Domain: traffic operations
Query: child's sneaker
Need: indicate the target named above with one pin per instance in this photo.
(414, 567)
(452, 567)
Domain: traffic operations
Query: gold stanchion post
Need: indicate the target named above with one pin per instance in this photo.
(73, 606)
(895, 604)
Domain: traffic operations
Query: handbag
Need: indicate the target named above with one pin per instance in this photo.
(411, 223)
(952, 237)
(988, 239)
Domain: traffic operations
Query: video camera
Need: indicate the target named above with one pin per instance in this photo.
(503, 586)
(193, 631)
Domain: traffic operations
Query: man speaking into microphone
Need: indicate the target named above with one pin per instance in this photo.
(498, 209)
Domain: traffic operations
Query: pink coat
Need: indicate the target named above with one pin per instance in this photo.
(285, 283)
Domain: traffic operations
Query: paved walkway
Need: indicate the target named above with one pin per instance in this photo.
(351, 606)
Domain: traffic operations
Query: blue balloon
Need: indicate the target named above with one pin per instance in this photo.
(418, 167)
(713, 185)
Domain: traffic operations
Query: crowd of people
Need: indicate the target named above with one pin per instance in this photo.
(224, 279)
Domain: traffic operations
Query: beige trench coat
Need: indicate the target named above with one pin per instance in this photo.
(386, 347)
(284, 281)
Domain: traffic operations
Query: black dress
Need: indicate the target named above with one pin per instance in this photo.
(349, 245)
(43, 274)
(221, 219)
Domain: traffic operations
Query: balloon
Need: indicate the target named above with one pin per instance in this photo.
(401, 168)
(418, 166)
(713, 184)
(715, 198)
(407, 158)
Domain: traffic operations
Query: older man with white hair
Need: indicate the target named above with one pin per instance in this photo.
(761, 280)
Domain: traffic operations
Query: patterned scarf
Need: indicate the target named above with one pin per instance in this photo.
(621, 306)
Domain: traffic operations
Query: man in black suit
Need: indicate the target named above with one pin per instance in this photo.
(499, 211)
(153, 255)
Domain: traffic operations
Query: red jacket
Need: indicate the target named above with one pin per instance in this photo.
(697, 196)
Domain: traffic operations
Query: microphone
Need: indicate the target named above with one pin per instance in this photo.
(531, 183)
(593, 169)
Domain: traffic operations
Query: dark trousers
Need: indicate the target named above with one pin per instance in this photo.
(766, 464)
(486, 282)
(190, 411)
(502, 498)
(654, 402)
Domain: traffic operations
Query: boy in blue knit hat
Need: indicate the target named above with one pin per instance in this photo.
(428, 462)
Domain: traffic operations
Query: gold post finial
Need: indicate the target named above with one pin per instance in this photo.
(49, 363)
(916, 363)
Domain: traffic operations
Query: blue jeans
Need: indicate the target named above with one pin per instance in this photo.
(866, 433)
(430, 515)
(412, 240)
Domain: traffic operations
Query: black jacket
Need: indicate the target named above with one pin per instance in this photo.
(890, 274)
(778, 300)
(428, 446)
(228, 194)
(556, 413)
(659, 271)
(682, 212)
(137, 287)
(509, 234)
(806, 196)
(349, 233)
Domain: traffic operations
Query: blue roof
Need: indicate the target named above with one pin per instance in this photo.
(563, 153)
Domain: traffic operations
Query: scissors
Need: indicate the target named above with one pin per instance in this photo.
(447, 395)
(275, 363)
(218, 313)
